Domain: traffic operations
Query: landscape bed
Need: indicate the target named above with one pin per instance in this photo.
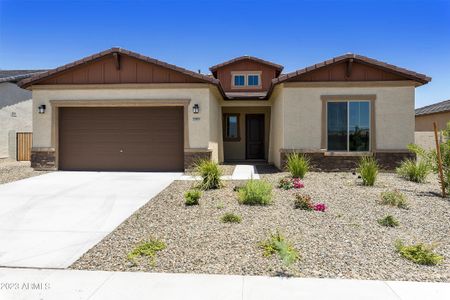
(345, 241)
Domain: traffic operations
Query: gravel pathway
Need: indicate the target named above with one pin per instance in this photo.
(344, 242)
(11, 170)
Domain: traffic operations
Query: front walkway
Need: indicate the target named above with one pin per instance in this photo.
(72, 284)
(241, 172)
(51, 220)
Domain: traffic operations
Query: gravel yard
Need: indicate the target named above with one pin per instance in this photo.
(11, 170)
(344, 242)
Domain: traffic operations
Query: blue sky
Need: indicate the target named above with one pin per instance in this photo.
(198, 34)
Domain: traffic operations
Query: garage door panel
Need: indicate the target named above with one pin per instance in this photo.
(121, 139)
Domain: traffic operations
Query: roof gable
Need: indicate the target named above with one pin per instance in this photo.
(352, 67)
(278, 67)
(117, 65)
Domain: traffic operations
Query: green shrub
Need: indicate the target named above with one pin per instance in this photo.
(420, 254)
(297, 164)
(368, 168)
(230, 218)
(388, 221)
(414, 171)
(255, 192)
(303, 202)
(210, 172)
(191, 197)
(394, 198)
(277, 244)
(147, 249)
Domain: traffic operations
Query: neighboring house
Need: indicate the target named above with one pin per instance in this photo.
(120, 110)
(15, 110)
(425, 117)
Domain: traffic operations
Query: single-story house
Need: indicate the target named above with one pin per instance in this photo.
(15, 110)
(120, 110)
(425, 117)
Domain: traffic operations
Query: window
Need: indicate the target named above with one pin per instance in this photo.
(239, 80)
(253, 80)
(231, 127)
(348, 125)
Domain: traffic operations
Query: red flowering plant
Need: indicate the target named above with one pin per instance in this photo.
(290, 183)
(320, 207)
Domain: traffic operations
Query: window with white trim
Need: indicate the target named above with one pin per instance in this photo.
(253, 80)
(239, 80)
(348, 126)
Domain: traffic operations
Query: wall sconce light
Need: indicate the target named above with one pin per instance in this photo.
(196, 109)
(41, 109)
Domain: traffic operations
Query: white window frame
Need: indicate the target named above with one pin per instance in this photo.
(348, 127)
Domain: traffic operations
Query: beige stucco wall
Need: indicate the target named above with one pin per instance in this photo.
(13, 100)
(425, 122)
(215, 125)
(276, 137)
(394, 115)
(198, 129)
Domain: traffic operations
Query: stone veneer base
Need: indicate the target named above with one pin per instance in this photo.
(191, 157)
(320, 162)
(43, 159)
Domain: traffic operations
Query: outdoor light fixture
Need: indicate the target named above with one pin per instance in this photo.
(41, 109)
(196, 109)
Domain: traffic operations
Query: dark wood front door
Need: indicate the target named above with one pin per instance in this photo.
(254, 136)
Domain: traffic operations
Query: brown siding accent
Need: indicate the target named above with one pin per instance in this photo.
(132, 70)
(327, 98)
(338, 72)
(267, 74)
(387, 161)
(121, 139)
(24, 144)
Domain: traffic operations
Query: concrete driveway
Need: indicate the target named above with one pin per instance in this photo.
(49, 221)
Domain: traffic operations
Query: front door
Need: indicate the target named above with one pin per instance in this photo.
(254, 141)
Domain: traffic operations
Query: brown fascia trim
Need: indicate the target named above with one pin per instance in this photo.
(421, 78)
(262, 61)
(45, 75)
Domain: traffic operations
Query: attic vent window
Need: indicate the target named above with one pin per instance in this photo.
(253, 80)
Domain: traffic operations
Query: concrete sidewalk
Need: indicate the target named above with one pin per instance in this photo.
(72, 284)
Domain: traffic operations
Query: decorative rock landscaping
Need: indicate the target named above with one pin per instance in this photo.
(345, 241)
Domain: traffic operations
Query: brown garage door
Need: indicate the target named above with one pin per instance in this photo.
(121, 139)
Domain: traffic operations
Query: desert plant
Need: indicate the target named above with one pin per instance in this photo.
(388, 221)
(303, 202)
(147, 249)
(320, 207)
(394, 198)
(210, 172)
(255, 192)
(420, 254)
(297, 164)
(368, 168)
(230, 218)
(191, 197)
(416, 171)
(286, 184)
(277, 243)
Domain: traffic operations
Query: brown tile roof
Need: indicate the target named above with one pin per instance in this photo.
(442, 106)
(421, 78)
(262, 61)
(39, 77)
(16, 75)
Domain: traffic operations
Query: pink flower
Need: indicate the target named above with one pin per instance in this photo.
(320, 207)
(298, 184)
